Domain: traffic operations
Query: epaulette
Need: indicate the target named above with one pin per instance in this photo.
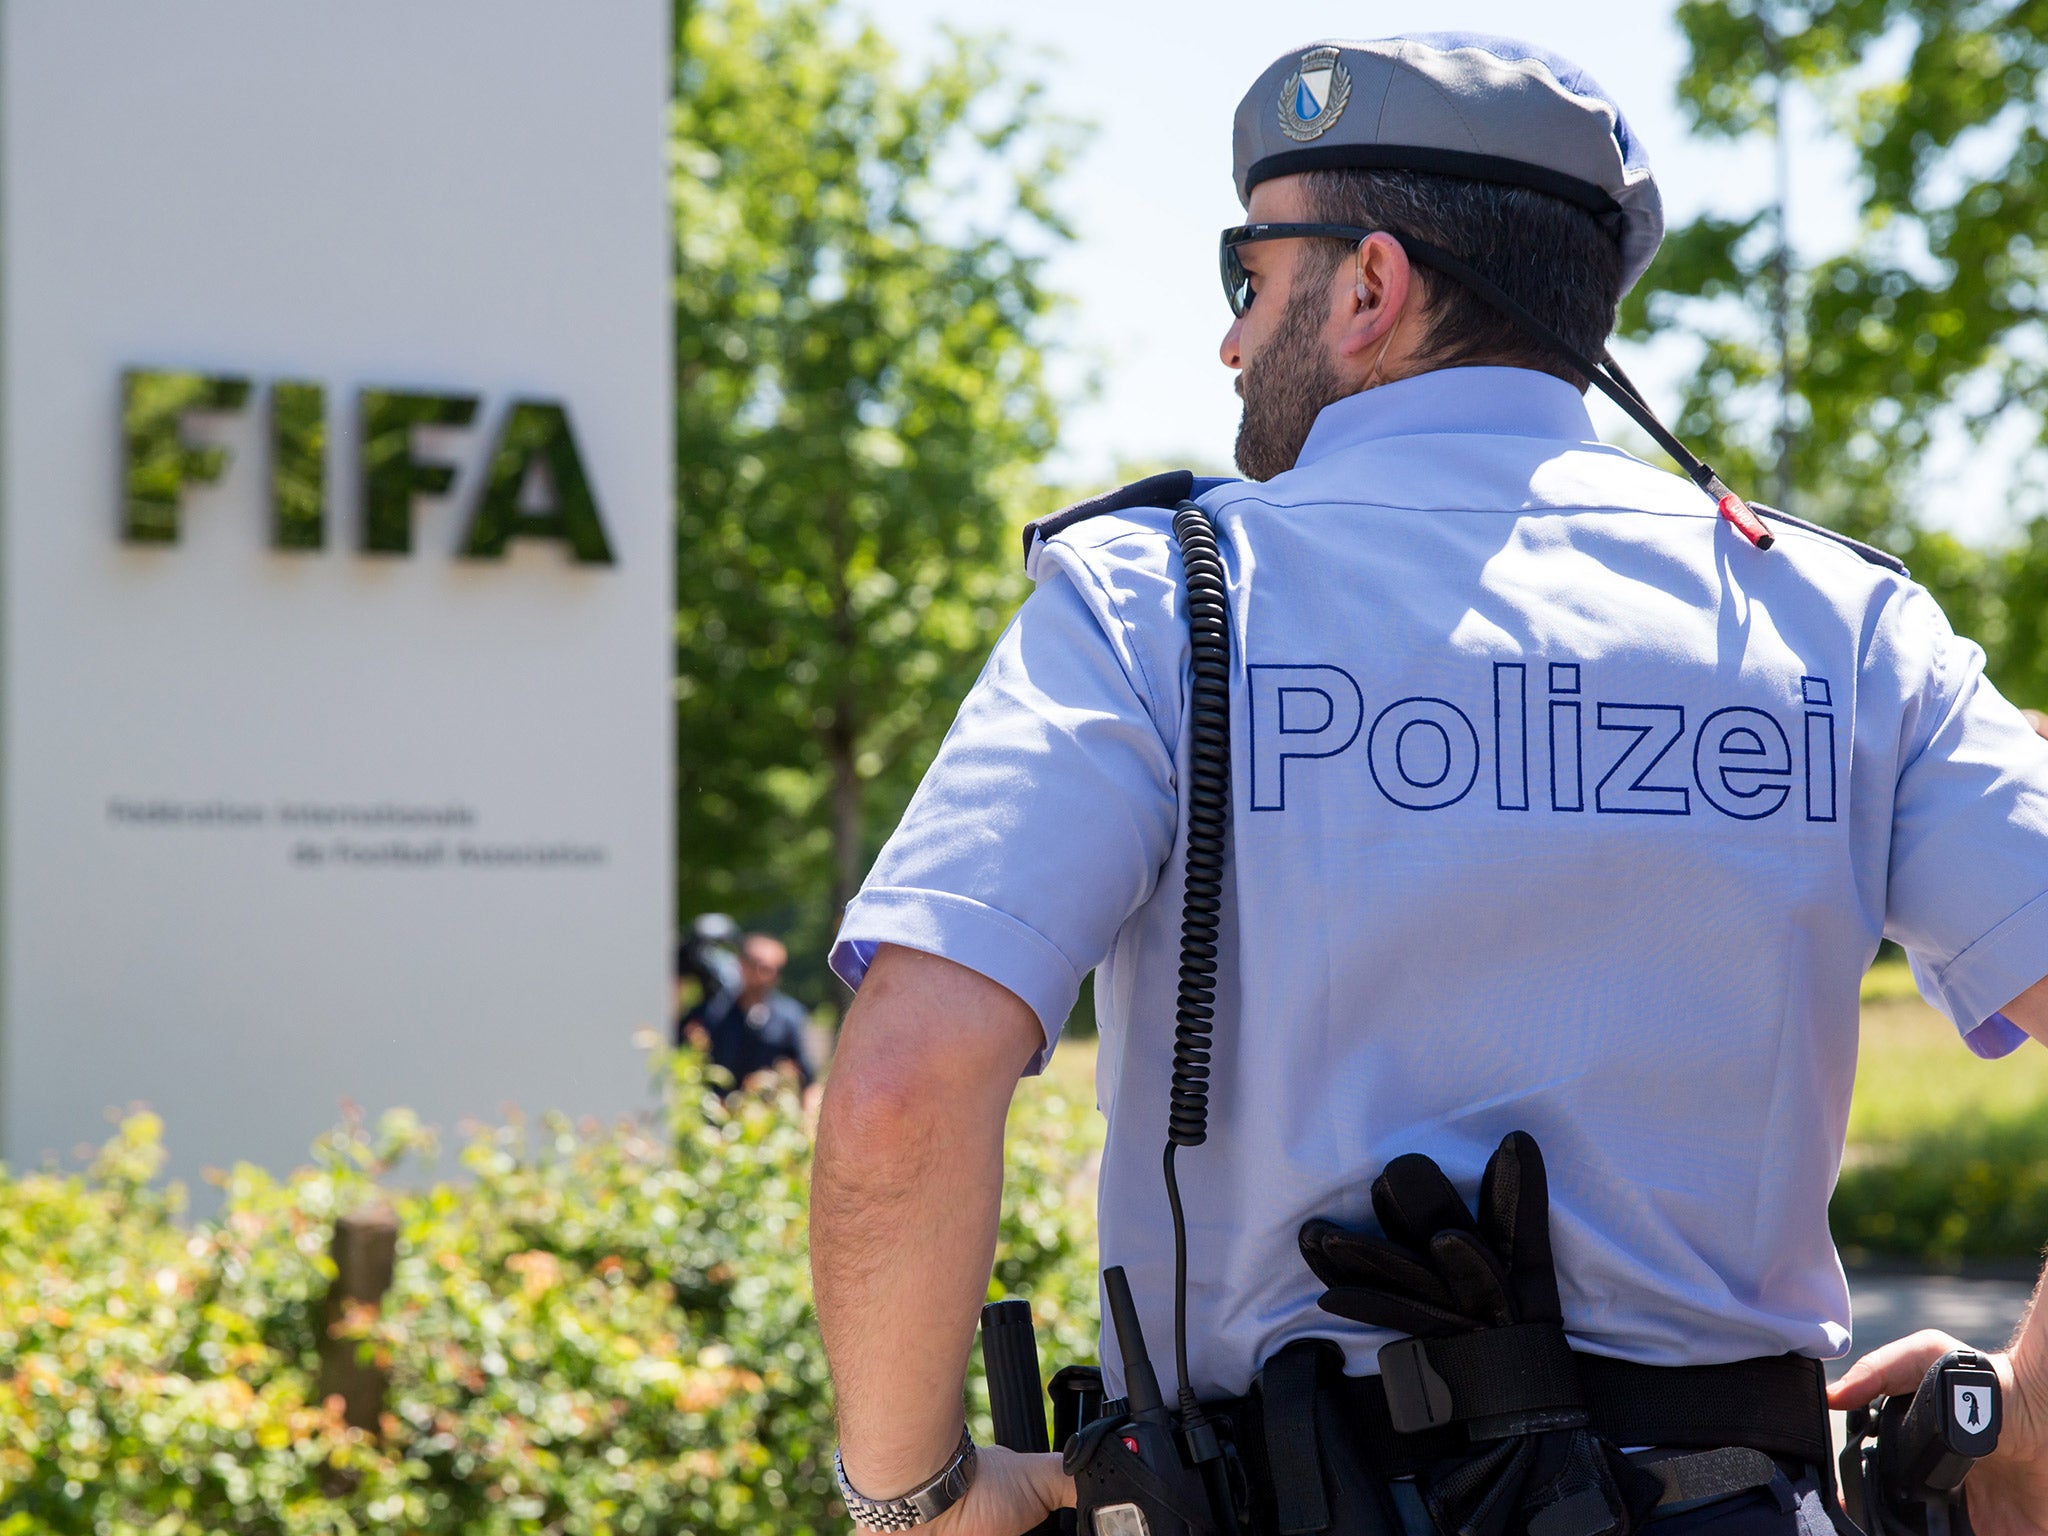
(1869, 552)
(1163, 490)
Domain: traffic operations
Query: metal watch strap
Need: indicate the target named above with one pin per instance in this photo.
(925, 1502)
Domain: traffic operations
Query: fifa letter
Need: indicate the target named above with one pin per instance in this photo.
(158, 462)
(298, 466)
(392, 475)
(537, 489)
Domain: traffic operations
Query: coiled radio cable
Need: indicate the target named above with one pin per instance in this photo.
(1202, 903)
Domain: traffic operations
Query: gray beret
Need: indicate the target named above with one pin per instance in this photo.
(1457, 104)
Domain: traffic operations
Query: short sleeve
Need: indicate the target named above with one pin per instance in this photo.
(1968, 890)
(1045, 819)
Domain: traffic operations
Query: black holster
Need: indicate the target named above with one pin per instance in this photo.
(1306, 1470)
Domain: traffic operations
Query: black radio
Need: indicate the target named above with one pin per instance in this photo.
(1138, 1468)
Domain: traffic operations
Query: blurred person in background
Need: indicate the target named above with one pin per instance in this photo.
(707, 963)
(752, 1026)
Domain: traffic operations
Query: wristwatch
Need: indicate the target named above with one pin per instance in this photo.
(925, 1502)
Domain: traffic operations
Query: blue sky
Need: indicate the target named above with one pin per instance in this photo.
(1161, 82)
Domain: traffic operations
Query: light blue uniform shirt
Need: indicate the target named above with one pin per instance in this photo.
(1557, 808)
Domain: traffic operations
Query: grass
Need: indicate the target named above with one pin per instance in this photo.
(1915, 1077)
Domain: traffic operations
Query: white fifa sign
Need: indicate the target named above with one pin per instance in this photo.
(335, 565)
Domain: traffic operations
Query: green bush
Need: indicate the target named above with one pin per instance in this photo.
(598, 1330)
(1962, 1193)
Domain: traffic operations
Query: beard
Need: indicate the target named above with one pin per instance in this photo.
(1286, 387)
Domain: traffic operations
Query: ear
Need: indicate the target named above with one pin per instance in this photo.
(1382, 282)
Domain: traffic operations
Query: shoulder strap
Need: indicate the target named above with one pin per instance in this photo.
(1165, 490)
(1869, 552)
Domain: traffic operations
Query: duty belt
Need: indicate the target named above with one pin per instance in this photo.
(1305, 1418)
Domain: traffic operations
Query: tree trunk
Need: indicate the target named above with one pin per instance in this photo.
(842, 735)
(846, 819)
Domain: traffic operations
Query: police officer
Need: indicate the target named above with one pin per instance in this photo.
(1563, 803)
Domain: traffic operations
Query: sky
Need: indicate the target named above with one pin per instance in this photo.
(1161, 82)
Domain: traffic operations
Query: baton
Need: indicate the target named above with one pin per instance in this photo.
(1016, 1397)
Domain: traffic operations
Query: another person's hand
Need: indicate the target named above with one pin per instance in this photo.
(1012, 1493)
(2008, 1490)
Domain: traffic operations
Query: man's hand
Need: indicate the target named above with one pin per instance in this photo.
(2008, 1490)
(1012, 1493)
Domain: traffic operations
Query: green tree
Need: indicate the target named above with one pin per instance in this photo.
(861, 401)
(1929, 322)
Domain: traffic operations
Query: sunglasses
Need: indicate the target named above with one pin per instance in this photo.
(1237, 283)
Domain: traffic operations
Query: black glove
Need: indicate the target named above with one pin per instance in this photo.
(1440, 1274)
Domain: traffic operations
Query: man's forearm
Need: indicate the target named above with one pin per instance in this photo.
(903, 1232)
(906, 1196)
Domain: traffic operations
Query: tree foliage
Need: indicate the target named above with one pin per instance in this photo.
(861, 399)
(1928, 327)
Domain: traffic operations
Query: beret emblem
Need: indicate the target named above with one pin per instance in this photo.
(1313, 97)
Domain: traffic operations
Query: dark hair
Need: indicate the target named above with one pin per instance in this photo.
(1554, 259)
